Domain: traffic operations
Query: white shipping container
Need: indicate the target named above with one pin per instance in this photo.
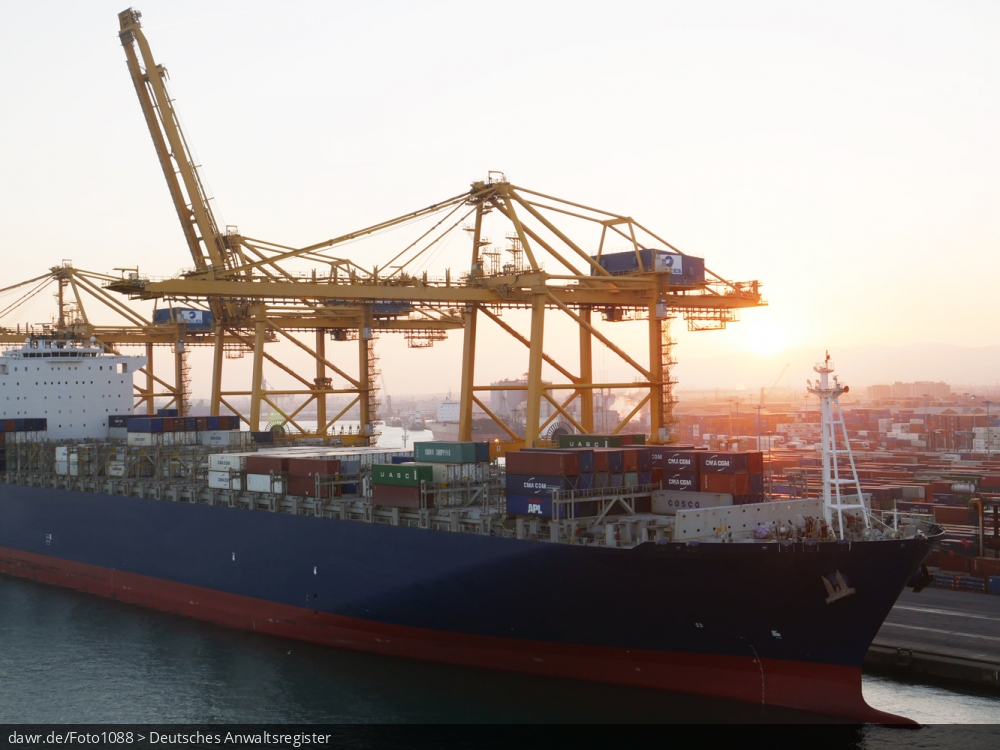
(62, 453)
(116, 469)
(228, 461)
(62, 468)
(221, 437)
(223, 480)
(145, 439)
(262, 483)
(118, 433)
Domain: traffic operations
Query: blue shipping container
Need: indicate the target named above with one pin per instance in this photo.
(196, 320)
(145, 424)
(167, 412)
(262, 437)
(685, 270)
(993, 585)
(119, 420)
(519, 484)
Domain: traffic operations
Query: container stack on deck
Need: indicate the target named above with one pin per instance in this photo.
(442, 474)
(14, 431)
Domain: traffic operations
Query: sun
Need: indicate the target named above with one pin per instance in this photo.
(764, 338)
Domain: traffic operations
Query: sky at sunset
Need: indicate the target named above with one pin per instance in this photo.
(845, 155)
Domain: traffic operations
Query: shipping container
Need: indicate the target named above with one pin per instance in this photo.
(544, 463)
(395, 496)
(223, 480)
(666, 502)
(447, 453)
(263, 464)
(643, 458)
(590, 441)
(265, 483)
(585, 456)
(306, 487)
(310, 466)
(263, 438)
(539, 486)
(402, 475)
(728, 484)
(145, 424)
(228, 461)
(614, 457)
(723, 463)
(684, 270)
(195, 320)
(672, 460)
(685, 481)
(145, 439)
(167, 412)
(221, 437)
(119, 420)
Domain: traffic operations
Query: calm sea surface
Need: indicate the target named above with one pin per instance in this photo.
(75, 658)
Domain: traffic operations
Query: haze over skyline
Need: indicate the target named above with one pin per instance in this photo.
(842, 156)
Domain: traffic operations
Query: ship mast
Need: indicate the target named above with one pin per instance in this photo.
(831, 417)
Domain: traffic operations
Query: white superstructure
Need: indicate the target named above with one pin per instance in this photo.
(73, 385)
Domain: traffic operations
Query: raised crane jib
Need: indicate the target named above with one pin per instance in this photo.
(209, 247)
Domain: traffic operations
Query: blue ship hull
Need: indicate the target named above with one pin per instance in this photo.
(750, 621)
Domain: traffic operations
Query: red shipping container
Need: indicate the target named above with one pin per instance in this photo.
(544, 463)
(755, 462)
(944, 487)
(984, 567)
(954, 563)
(630, 461)
(397, 497)
(601, 461)
(729, 484)
(201, 423)
(990, 480)
(170, 424)
(307, 467)
(657, 475)
(9, 425)
(266, 464)
(306, 486)
(951, 515)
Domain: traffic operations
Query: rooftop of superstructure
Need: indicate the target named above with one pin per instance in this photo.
(49, 347)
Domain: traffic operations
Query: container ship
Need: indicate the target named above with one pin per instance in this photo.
(600, 558)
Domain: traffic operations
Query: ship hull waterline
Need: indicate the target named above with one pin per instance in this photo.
(755, 676)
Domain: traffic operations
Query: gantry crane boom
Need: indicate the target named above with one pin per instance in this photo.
(209, 247)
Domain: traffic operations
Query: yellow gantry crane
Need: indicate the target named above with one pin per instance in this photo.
(551, 265)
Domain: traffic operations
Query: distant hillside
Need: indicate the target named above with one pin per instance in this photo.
(859, 366)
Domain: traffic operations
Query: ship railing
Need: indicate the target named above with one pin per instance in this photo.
(606, 499)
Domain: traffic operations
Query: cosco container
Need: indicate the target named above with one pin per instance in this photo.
(723, 463)
(402, 475)
(545, 463)
(668, 503)
(540, 486)
(447, 453)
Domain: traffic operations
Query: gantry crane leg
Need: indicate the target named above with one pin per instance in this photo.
(586, 372)
(656, 433)
(364, 385)
(150, 408)
(321, 382)
(533, 407)
(468, 373)
(257, 386)
(218, 357)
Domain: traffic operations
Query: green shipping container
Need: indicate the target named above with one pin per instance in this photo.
(402, 475)
(590, 441)
(445, 453)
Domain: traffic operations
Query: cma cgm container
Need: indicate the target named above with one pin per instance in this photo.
(674, 460)
(723, 463)
(681, 482)
(540, 486)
